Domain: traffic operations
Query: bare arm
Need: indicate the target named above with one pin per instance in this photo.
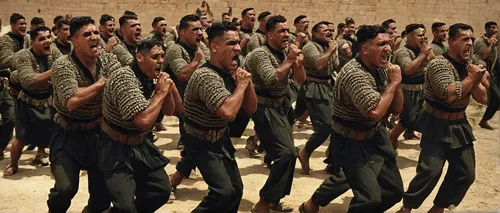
(299, 75)
(250, 99)
(397, 102)
(479, 93)
(146, 118)
(322, 62)
(84, 94)
(229, 109)
(385, 102)
(415, 64)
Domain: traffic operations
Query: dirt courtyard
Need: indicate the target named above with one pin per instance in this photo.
(27, 191)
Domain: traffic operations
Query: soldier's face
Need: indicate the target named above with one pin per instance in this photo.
(19, 28)
(226, 18)
(416, 39)
(64, 33)
(150, 62)
(161, 27)
(351, 28)
(263, 21)
(392, 30)
(108, 29)
(323, 33)
(378, 50)
(131, 32)
(250, 17)
(204, 20)
(302, 25)
(225, 50)
(193, 33)
(41, 43)
(331, 28)
(461, 46)
(279, 36)
(440, 33)
(86, 41)
(492, 30)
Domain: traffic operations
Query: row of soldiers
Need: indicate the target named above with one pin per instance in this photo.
(97, 103)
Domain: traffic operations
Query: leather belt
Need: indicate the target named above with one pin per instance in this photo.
(273, 102)
(351, 133)
(207, 135)
(33, 101)
(123, 138)
(412, 87)
(452, 116)
(76, 126)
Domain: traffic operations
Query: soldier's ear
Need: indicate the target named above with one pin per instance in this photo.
(139, 57)
(364, 48)
(213, 47)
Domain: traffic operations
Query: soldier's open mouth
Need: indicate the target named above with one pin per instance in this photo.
(46, 48)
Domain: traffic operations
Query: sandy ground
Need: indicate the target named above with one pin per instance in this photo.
(27, 191)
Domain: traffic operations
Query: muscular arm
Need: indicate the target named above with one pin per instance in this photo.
(250, 99)
(408, 66)
(186, 72)
(84, 94)
(322, 62)
(146, 118)
(299, 75)
(397, 102)
(479, 93)
(385, 102)
(229, 109)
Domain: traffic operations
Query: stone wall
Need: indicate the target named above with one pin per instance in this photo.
(404, 12)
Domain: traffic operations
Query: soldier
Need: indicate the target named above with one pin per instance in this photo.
(439, 30)
(391, 29)
(36, 22)
(255, 41)
(54, 28)
(413, 59)
(160, 31)
(226, 17)
(450, 82)
(366, 89)
(79, 79)
(62, 43)
(341, 31)
(301, 24)
(10, 43)
(485, 48)
(107, 29)
(320, 61)
(259, 37)
(270, 69)
(130, 29)
(351, 25)
(133, 167)
(217, 90)
(33, 122)
(184, 56)
(246, 28)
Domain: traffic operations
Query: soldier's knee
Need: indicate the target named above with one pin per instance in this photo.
(66, 190)
(470, 177)
(226, 195)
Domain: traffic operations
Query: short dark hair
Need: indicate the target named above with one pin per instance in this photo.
(184, 23)
(298, 18)
(349, 20)
(455, 29)
(157, 19)
(105, 18)
(316, 26)
(489, 24)
(340, 26)
(412, 27)
(37, 20)
(263, 15)
(125, 18)
(14, 17)
(437, 25)
(271, 22)
(57, 18)
(62, 22)
(130, 13)
(218, 29)
(34, 32)
(145, 45)
(403, 33)
(244, 12)
(78, 22)
(387, 22)
(368, 32)
(224, 14)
